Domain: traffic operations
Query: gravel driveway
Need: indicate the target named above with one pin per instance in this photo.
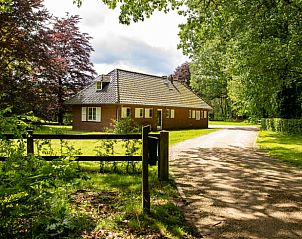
(233, 190)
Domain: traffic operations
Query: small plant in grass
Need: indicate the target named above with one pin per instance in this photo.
(127, 126)
(106, 148)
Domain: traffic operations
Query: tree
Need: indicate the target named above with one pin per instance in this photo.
(43, 59)
(259, 41)
(71, 68)
(182, 73)
(22, 52)
(257, 48)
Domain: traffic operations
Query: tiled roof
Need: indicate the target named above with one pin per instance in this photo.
(139, 89)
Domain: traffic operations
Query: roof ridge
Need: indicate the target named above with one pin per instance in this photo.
(138, 73)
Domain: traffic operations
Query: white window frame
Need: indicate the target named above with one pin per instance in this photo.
(139, 112)
(197, 114)
(124, 112)
(91, 113)
(94, 117)
(148, 113)
(190, 114)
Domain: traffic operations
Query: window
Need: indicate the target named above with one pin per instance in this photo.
(148, 113)
(197, 115)
(139, 113)
(205, 114)
(170, 113)
(193, 114)
(201, 114)
(91, 114)
(126, 112)
(99, 85)
(190, 114)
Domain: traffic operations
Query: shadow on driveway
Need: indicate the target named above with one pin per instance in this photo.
(239, 193)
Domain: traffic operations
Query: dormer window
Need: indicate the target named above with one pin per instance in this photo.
(99, 85)
(102, 81)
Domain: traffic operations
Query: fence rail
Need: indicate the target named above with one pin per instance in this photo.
(160, 150)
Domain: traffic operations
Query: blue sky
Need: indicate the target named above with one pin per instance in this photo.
(148, 47)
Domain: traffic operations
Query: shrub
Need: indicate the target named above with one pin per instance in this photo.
(291, 126)
(33, 192)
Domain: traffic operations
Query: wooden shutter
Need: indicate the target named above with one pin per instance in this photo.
(197, 115)
(193, 114)
(98, 114)
(84, 113)
(172, 113)
(137, 112)
(124, 112)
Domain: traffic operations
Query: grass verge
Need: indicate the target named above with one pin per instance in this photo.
(282, 146)
(235, 123)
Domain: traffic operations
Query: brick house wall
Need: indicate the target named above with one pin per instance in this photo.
(109, 113)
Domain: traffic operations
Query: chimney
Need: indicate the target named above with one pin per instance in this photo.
(170, 78)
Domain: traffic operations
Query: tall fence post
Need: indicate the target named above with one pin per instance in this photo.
(145, 172)
(30, 143)
(163, 170)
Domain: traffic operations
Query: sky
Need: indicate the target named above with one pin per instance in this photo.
(147, 47)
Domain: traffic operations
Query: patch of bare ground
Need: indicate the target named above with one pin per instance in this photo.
(102, 206)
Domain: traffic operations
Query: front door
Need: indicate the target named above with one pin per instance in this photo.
(159, 119)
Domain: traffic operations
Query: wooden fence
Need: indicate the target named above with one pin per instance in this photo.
(154, 146)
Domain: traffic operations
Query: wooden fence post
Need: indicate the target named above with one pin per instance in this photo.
(163, 171)
(30, 143)
(145, 173)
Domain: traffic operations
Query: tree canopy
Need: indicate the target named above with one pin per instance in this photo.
(42, 59)
(248, 51)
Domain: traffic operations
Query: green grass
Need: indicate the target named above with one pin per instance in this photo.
(87, 147)
(119, 194)
(176, 136)
(282, 146)
(123, 193)
(238, 123)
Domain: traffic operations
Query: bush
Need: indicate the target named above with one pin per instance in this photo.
(291, 126)
(126, 126)
(34, 193)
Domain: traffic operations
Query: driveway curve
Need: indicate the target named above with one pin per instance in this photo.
(233, 190)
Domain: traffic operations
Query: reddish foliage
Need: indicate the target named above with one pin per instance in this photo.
(43, 60)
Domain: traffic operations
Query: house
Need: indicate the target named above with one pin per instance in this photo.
(158, 101)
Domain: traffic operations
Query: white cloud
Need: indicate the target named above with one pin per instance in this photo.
(149, 46)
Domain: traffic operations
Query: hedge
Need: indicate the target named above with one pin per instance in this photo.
(292, 126)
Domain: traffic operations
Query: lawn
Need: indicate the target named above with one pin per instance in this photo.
(282, 146)
(89, 147)
(176, 136)
(234, 123)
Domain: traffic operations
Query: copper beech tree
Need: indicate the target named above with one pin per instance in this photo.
(43, 59)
